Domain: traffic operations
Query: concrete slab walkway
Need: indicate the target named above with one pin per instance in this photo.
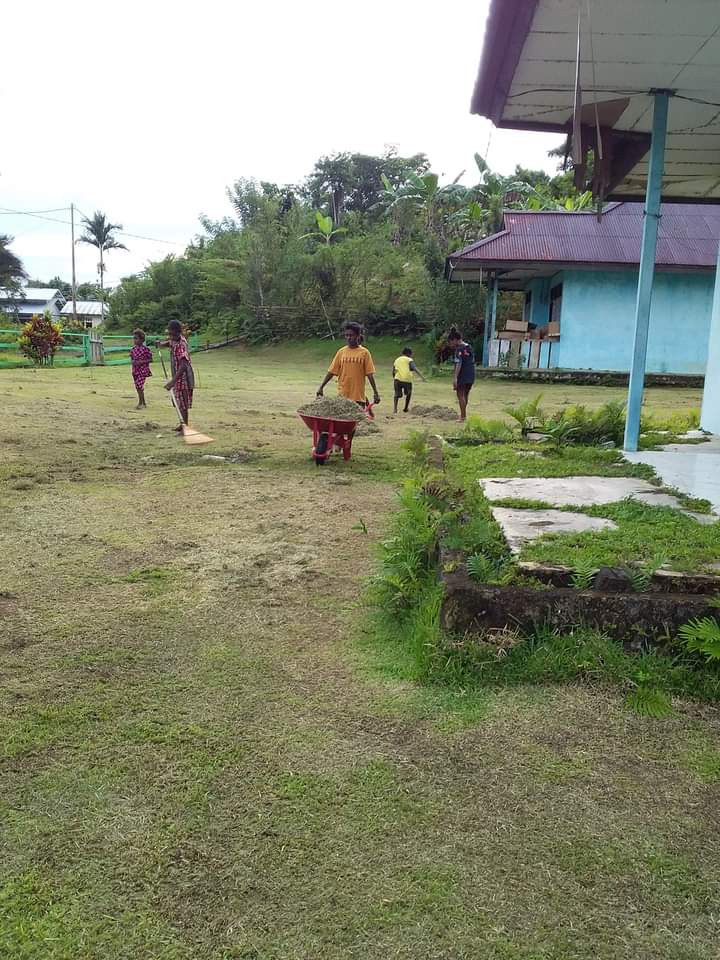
(692, 468)
(577, 491)
(521, 526)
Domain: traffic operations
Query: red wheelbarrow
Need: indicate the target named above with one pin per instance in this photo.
(329, 435)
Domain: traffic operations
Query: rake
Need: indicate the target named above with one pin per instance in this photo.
(190, 436)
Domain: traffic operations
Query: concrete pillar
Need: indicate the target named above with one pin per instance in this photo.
(486, 328)
(710, 416)
(647, 268)
(493, 306)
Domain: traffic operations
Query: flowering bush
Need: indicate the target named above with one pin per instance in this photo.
(41, 338)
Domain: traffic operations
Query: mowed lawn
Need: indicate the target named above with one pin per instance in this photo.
(202, 757)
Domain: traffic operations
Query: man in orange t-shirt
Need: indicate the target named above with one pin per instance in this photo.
(351, 365)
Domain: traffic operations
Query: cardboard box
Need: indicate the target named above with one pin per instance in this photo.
(516, 326)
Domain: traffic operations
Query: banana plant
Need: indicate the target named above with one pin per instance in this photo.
(572, 204)
(326, 229)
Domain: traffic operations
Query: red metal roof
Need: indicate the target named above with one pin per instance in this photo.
(688, 238)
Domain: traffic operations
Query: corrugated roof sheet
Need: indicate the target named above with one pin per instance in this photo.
(32, 294)
(85, 308)
(688, 237)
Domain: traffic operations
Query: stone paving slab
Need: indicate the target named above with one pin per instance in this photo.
(575, 491)
(521, 526)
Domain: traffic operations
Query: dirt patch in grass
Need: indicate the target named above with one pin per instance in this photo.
(434, 412)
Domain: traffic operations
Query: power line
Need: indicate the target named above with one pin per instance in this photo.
(137, 236)
(38, 215)
(26, 213)
(30, 212)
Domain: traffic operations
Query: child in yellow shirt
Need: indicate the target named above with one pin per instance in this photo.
(403, 369)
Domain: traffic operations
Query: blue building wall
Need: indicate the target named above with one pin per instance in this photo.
(598, 317)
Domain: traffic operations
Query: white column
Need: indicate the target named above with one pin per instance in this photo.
(710, 417)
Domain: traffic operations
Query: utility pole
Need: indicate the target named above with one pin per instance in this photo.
(102, 288)
(74, 284)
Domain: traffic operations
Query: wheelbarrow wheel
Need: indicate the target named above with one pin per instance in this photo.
(321, 449)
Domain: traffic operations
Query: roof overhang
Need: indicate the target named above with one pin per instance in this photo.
(515, 274)
(526, 81)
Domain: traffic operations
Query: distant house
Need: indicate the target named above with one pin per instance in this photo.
(579, 273)
(21, 305)
(89, 312)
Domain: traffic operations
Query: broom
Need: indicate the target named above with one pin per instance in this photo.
(189, 435)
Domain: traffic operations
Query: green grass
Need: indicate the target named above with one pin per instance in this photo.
(645, 535)
(200, 761)
(532, 460)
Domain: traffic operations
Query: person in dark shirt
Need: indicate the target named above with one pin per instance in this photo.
(464, 375)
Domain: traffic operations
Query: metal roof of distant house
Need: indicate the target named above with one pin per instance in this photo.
(85, 308)
(687, 240)
(32, 295)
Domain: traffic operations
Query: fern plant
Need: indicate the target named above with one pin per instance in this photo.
(561, 431)
(649, 702)
(480, 567)
(528, 415)
(584, 574)
(702, 636)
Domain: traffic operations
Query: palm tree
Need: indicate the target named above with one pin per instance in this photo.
(99, 233)
(11, 269)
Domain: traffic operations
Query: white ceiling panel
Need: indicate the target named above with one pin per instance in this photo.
(661, 18)
(639, 46)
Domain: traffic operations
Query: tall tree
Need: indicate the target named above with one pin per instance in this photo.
(12, 271)
(99, 232)
(353, 182)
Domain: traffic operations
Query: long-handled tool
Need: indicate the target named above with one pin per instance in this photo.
(189, 435)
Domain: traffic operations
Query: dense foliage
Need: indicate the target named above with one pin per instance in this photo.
(363, 237)
(12, 272)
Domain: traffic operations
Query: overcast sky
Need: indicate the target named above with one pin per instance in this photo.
(147, 111)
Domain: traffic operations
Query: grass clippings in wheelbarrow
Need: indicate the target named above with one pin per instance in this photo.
(333, 408)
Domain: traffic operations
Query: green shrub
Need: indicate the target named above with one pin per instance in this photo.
(577, 424)
(478, 431)
(41, 339)
(417, 445)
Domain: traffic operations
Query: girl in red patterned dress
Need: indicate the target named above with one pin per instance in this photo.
(140, 357)
(183, 377)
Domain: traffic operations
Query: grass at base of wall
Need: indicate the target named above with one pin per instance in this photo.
(658, 536)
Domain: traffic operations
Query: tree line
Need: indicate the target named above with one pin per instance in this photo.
(362, 237)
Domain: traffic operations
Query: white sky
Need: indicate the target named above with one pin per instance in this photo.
(149, 111)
